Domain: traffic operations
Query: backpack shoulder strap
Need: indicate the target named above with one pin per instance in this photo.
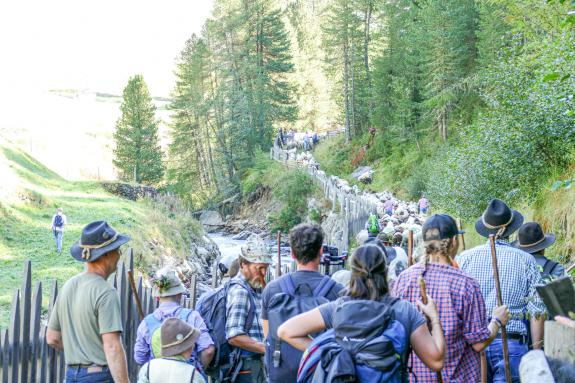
(152, 323)
(287, 285)
(324, 287)
(251, 306)
(549, 267)
(184, 314)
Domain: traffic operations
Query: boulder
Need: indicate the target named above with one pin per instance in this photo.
(362, 171)
(211, 218)
(242, 236)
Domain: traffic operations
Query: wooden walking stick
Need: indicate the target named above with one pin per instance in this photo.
(500, 303)
(135, 294)
(483, 367)
(279, 264)
(424, 300)
(409, 248)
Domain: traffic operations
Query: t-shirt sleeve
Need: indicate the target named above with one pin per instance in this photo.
(205, 340)
(409, 316)
(266, 301)
(109, 313)
(327, 311)
(474, 317)
(54, 322)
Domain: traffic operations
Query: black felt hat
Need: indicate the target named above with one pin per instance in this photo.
(498, 219)
(98, 238)
(531, 238)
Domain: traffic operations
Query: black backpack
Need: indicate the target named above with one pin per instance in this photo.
(212, 308)
(281, 359)
(58, 221)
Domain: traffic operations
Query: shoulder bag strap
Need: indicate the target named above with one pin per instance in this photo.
(287, 285)
(549, 266)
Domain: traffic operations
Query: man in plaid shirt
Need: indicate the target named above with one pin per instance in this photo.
(459, 303)
(244, 298)
(519, 275)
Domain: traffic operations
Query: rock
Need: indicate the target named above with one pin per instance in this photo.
(365, 178)
(361, 171)
(241, 236)
(534, 368)
(211, 218)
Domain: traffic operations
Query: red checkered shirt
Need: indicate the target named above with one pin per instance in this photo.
(462, 315)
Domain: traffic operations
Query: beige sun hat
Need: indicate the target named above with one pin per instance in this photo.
(255, 250)
(177, 336)
(167, 284)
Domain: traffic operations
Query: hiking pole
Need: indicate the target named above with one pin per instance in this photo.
(424, 300)
(570, 268)
(279, 264)
(483, 367)
(461, 235)
(500, 303)
(409, 248)
(135, 294)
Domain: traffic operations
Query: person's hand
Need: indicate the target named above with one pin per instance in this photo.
(430, 309)
(501, 313)
(565, 321)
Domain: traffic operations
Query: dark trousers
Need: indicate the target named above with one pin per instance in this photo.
(81, 375)
(252, 372)
(496, 363)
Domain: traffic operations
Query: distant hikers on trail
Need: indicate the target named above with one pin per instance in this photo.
(59, 222)
(86, 322)
(379, 321)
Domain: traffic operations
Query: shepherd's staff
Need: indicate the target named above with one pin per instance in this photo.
(424, 300)
(135, 294)
(500, 303)
(409, 248)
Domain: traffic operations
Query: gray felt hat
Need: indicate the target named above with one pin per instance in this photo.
(177, 336)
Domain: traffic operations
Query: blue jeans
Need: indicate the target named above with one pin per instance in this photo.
(496, 363)
(58, 238)
(81, 375)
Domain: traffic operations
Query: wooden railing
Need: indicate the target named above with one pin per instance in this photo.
(355, 209)
(25, 356)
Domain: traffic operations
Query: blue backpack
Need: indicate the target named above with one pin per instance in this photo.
(281, 359)
(367, 344)
(154, 325)
(212, 308)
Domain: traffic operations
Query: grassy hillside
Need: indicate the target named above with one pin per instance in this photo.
(29, 196)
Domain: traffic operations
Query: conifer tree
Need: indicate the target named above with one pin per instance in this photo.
(138, 156)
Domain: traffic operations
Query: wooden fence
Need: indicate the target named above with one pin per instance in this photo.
(355, 209)
(25, 356)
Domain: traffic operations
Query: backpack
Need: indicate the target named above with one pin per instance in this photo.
(548, 268)
(58, 221)
(212, 309)
(281, 359)
(154, 325)
(373, 224)
(366, 335)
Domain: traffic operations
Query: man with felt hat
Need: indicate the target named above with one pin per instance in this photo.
(532, 239)
(178, 340)
(518, 274)
(86, 322)
(168, 289)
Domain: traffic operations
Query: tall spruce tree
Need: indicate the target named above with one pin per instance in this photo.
(138, 155)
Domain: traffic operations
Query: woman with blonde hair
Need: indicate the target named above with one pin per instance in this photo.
(459, 300)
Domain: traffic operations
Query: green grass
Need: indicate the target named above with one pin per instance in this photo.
(25, 220)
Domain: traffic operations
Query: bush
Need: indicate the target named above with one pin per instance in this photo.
(292, 190)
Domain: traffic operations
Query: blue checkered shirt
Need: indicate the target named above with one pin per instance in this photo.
(518, 274)
(237, 307)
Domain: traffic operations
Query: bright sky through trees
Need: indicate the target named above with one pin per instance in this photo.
(92, 44)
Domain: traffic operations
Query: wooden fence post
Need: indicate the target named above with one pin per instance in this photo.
(14, 336)
(26, 298)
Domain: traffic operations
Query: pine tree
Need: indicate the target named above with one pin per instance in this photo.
(138, 156)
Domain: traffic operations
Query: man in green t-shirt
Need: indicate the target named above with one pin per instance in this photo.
(86, 322)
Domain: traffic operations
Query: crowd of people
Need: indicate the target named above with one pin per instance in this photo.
(385, 322)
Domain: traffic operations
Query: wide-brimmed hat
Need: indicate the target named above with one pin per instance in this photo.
(177, 336)
(255, 250)
(97, 239)
(498, 219)
(167, 284)
(531, 238)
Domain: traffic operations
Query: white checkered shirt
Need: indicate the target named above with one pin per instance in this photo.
(518, 275)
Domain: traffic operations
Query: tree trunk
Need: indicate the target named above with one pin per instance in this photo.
(346, 91)
(366, 40)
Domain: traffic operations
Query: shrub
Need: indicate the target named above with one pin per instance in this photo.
(292, 190)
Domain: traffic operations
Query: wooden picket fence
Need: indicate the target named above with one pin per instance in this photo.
(24, 355)
(355, 209)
